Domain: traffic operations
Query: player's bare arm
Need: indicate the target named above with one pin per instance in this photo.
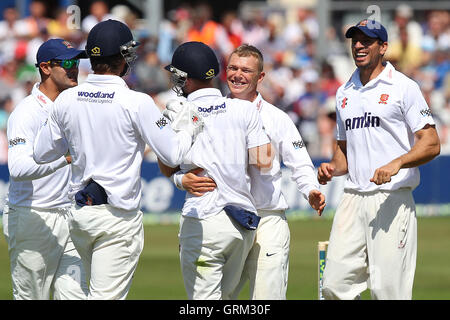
(166, 170)
(261, 156)
(426, 148)
(197, 185)
(336, 167)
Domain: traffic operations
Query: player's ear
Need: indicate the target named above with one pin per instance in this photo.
(45, 68)
(383, 47)
(261, 77)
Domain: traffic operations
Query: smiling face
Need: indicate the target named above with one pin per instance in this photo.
(244, 73)
(367, 52)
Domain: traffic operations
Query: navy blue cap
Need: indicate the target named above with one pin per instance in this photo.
(106, 37)
(370, 28)
(59, 49)
(196, 59)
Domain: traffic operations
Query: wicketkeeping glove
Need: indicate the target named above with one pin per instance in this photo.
(183, 115)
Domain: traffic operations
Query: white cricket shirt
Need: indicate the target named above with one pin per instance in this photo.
(232, 126)
(288, 147)
(378, 122)
(106, 126)
(31, 184)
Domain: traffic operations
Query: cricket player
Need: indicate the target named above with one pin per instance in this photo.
(217, 228)
(106, 126)
(267, 265)
(385, 130)
(44, 262)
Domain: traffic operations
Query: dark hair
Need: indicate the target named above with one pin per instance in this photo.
(110, 64)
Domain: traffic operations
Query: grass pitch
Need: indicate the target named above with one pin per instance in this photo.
(158, 275)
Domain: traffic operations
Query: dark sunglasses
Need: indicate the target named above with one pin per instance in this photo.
(66, 64)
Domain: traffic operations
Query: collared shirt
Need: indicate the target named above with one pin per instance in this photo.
(106, 126)
(33, 185)
(232, 126)
(378, 121)
(288, 147)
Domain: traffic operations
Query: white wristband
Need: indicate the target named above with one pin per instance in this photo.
(177, 178)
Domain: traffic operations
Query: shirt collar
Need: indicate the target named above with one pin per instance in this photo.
(204, 93)
(386, 75)
(41, 98)
(105, 79)
(258, 102)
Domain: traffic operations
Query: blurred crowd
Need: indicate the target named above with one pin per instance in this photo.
(297, 80)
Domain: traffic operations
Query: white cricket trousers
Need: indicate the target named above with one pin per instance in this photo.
(43, 260)
(267, 264)
(212, 255)
(110, 241)
(373, 244)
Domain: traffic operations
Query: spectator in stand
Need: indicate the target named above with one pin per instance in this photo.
(444, 115)
(303, 29)
(99, 11)
(255, 28)
(273, 47)
(11, 31)
(6, 107)
(37, 21)
(208, 31)
(233, 28)
(151, 78)
(205, 29)
(326, 125)
(403, 18)
(58, 28)
(437, 35)
(328, 82)
(172, 32)
(306, 110)
(278, 75)
(404, 53)
(441, 64)
(33, 45)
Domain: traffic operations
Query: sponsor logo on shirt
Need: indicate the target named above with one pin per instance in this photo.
(344, 103)
(365, 121)
(98, 94)
(161, 123)
(16, 141)
(213, 109)
(298, 144)
(425, 112)
(95, 97)
(383, 98)
(258, 105)
(41, 98)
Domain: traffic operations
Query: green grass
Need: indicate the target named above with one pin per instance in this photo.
(158, 275)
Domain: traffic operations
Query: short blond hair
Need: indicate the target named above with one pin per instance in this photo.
(246, 50)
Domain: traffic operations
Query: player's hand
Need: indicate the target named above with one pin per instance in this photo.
(383, 174)
(325, 172)
(317, 201)
(68, 157)
(197, 185)
(183, 115)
